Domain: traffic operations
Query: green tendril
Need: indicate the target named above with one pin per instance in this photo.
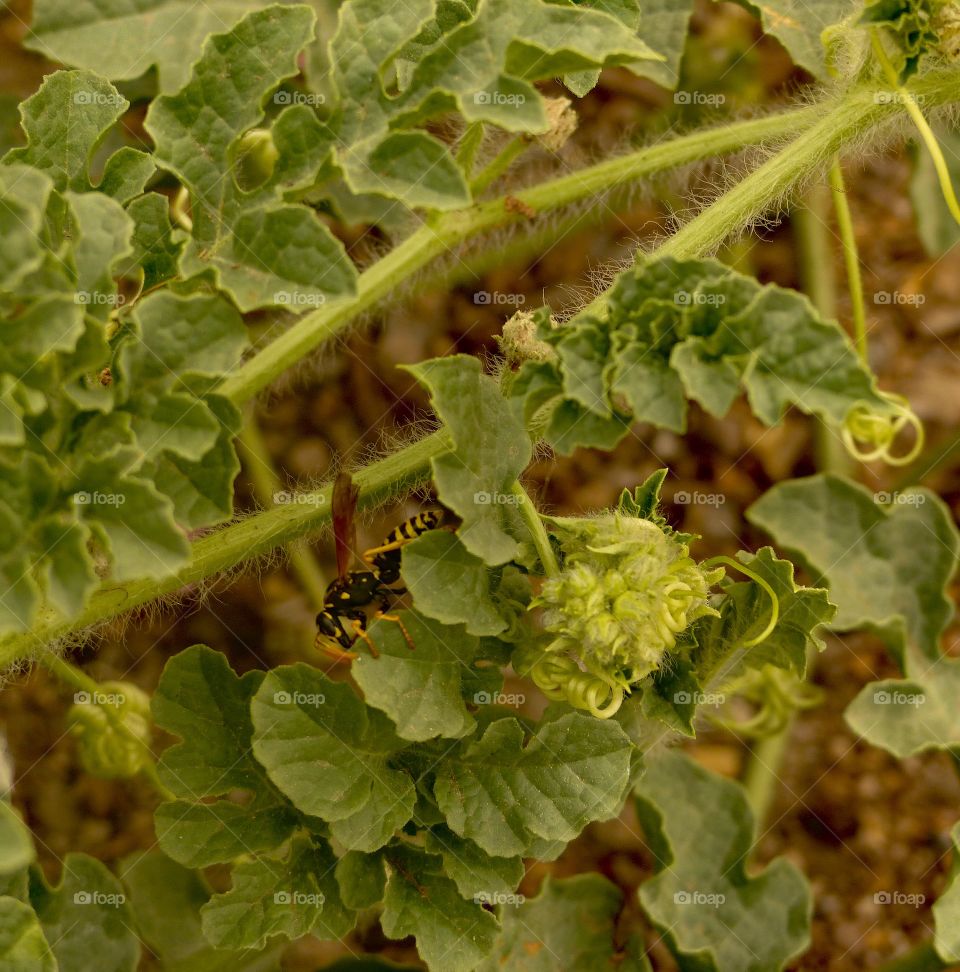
(777, 694)
(756, 578)
(559, 677)
(878, 432)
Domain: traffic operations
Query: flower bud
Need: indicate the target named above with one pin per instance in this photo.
(112, 729)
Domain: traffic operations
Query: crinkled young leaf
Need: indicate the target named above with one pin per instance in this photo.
(745, 613)
(887, 567)
(126, 174)
(700, 829)
(688, 328)
(155, 250)
(477, 874)
(260, 250)
(291, 896)
(64, 123)
(419, 688)
(515, 796)
(569, 924)
(200, 699)
(490, 450)
(22, 945)
(452, 934)
(331, 755)
(86, 915)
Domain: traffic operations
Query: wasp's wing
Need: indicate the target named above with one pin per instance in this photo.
(345, 493)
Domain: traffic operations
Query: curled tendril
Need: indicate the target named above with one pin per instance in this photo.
(878, 432)
(561, 678)
(768, 590)
(776, 693)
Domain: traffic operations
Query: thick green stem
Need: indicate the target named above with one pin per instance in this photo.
(499, 164)
(243, 541)
(451, 230)
(267, 487)
(538, 532)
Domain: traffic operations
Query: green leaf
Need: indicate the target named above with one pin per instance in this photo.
(476, 873)
(294, 896)
(515, 796)
(331, 755)
(16, 842)
(700, 829)
(450, 584)
(261, 251)
(362, 879)
(887, 567)
(22, 945)
(124, 42)
(490, 450)
(946, 910)
(688, 328)
(166, 900)
(911, 715)
(64, 123)
(798, 25)
(419, 687)
(452, 934)
(155, 250)
(86, 915)
(569, 924)
(663, 25)
(201, 700)
(126, 174)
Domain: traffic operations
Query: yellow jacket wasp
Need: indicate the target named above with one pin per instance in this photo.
(353, 591)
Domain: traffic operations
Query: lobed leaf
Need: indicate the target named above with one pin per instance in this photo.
(713, 915)
(867, 555)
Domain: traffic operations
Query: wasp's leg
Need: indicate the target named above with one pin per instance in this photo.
(359, 626)
(333, 639)
(403, 628)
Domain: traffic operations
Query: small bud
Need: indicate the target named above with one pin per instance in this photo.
(256, 156)
(519, 341)
(563, 123)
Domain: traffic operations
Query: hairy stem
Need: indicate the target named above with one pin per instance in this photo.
(447, 233)
(538, 532)
(242, 541)
(851, 257)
